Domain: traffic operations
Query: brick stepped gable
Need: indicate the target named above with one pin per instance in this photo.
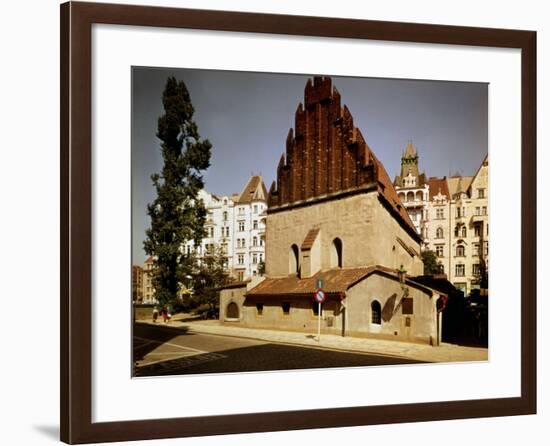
(327, 154)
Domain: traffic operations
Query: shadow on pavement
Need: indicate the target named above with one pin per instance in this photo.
(143, 345)
(266, 357)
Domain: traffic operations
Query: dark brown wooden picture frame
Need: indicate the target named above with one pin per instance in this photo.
(76, 221)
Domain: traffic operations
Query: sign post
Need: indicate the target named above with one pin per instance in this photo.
(319, 297)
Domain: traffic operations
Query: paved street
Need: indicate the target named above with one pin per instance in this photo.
(160, 350)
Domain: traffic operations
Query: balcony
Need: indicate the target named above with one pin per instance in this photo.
(481, 218)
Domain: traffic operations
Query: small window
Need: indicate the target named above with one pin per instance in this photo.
(294, 260)
(460, 251)
(336, 253)
(439, 233)
(407, 305)
(376, 313)
(286, 307)
(259, 308)
(478, 230)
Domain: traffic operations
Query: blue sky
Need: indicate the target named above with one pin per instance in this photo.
(247, 116)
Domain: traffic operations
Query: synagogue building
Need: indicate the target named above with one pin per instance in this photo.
(334, 218)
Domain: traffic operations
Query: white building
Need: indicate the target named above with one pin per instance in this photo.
(236, 224)
(414, 191)
(451, 214)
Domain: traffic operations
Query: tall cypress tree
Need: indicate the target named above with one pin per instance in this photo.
(177, 214)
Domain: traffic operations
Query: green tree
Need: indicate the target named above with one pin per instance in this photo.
(431, 264)
(483, 274)
(177, 214)
(211, 274)
(261, 268)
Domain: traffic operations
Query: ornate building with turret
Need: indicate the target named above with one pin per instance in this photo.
(413, 190)
(335, 221)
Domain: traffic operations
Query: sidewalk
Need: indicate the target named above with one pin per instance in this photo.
(443, 353)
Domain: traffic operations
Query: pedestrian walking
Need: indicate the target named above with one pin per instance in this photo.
(155, 314)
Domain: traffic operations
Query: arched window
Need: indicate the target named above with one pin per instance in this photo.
(464, 231)
(456, 230)
(439, 232)
(376, 313)
(460, 251)
(294, 260)
(336, 260)
(419, 196)
(410, 196)
(232, 311)
(224, 215)
(402, 197)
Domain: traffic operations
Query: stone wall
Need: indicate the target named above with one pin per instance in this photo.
(366, 228)
(421, 326)
(296, 313)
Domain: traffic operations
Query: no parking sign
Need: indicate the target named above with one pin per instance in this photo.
(319, 296)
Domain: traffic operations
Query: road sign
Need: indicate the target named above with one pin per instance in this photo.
(320, 296)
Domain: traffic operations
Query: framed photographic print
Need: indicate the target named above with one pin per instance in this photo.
(292, 222)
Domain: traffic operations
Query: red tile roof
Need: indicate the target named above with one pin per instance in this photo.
(438, 185)
(310, 238)
(388, 192)
(335, 281)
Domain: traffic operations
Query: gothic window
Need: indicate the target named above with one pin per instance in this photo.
(336, 253)
(294, 260)
(376, 312)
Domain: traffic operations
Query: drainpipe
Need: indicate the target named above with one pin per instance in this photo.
(344, 313)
